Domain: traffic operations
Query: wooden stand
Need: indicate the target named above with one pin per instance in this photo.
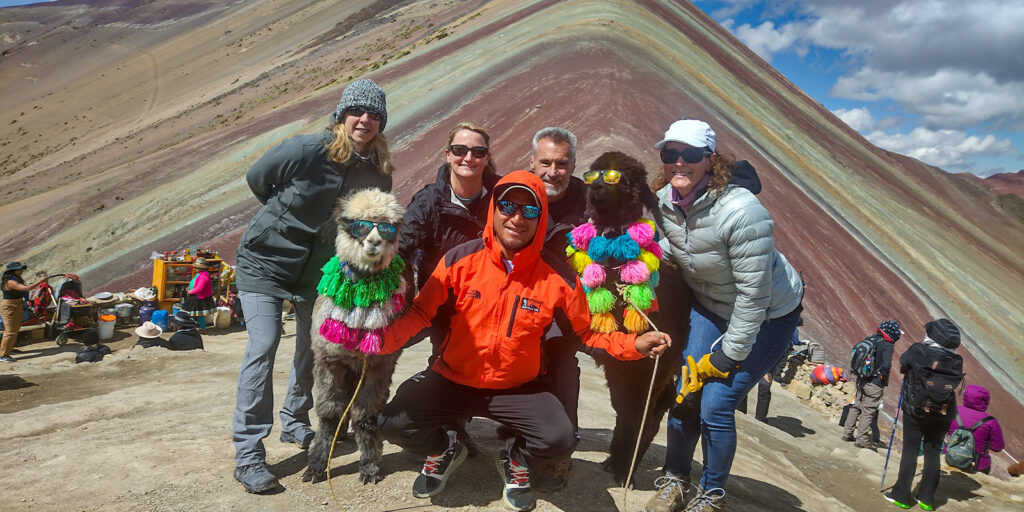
(171, 279)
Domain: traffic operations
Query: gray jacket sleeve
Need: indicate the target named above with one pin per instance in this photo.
(275, 168)
(747, 230)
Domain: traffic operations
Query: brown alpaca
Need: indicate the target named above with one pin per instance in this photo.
(611, 208)
(343, 337)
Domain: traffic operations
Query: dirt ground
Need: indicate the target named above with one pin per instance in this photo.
(149, 430)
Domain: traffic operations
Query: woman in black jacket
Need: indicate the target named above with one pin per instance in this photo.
(280, 258)
(453, 209)
(932, 373)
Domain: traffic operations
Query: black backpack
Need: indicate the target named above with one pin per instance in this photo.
(931, 390)
(863, 362)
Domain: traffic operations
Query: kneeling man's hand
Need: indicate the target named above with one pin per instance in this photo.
(652, 344)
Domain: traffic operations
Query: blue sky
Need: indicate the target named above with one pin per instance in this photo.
(5, 3)
(938, 80)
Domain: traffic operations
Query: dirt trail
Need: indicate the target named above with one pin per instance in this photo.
(149, 429)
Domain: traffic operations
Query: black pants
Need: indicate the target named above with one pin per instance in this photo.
(564, 375)
(764, 400)
(932, 431)
(415, 418)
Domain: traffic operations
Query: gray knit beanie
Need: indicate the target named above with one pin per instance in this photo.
(363, 93)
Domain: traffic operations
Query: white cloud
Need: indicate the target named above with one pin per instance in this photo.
(861, 120)
(942, 148)
(765, 40)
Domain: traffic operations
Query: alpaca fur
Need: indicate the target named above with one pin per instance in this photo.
(336, 370)
(611, 209)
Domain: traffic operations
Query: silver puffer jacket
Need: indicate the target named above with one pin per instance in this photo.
(725, 249)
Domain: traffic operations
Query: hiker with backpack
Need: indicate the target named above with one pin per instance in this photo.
(973, 433)
(933, 372)
(872, 359)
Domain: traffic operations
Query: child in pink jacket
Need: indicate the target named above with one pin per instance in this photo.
(989, 436)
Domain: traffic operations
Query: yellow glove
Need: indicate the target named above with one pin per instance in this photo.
(693, 374)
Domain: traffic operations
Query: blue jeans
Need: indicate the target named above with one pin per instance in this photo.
(717, 423)
(254, 402)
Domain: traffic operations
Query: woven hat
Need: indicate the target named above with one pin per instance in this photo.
(944, 332)
(201, 263)
(363, 93)
(148, 330)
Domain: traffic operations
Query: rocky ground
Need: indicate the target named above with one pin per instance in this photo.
(149, 430)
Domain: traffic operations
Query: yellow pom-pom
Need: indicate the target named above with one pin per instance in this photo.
(649, 222)
(579, 261)
(569, 250)
(604, 322)
(633, 322)
(649, 259)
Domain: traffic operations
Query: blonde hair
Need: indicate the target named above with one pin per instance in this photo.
(473, 127)
(341, 149)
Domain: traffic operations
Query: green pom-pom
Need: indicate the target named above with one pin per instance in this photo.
(600, 300)
(639, 295)
(332, 266)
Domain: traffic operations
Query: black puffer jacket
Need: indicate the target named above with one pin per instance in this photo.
(292, 235)
(565, 214)
(434, 224)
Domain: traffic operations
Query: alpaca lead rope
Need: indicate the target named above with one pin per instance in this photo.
(334, 441)
(643, 418)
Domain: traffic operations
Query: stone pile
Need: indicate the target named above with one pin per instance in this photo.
(826, 398)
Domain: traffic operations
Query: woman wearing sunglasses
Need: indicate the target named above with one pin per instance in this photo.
(280, 256)
(747, 304)
(454, 208)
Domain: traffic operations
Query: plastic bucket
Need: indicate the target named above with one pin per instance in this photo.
(223, 320)
(160, 318)
(123, 310)
(174, 309)
(106, 326)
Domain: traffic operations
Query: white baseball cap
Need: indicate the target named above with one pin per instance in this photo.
(689, 131)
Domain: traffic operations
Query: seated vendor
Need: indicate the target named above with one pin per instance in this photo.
(149, 335)
(187, 336)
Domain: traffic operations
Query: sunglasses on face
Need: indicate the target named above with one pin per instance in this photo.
(359, 111)
(460, 150)
(690, 155)
(361, 228)
(508, 209)
(611, 177)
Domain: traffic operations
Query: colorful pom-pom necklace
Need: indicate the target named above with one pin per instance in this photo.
(640, 256)
(361, 308)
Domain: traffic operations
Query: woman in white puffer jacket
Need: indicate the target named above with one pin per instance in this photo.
(746, 309)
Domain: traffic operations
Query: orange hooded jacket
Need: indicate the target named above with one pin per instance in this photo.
(494, 340)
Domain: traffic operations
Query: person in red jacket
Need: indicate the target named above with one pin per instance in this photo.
(505, 292)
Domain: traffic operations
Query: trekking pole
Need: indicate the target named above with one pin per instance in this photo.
(892, 434)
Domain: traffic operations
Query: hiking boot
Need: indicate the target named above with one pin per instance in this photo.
(867, 446)
(848, 438)
(707, 501)
(925, 506)
(301, 438)
(888, 497)
(517, 494)
(671, 494)
(8, 359)
(436, 471)
(255, 478)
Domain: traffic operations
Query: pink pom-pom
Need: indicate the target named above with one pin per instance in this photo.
(641, 232)
(593, 275)
(370, 343)
(329, 330)
(397, 303)
(655, 249)
(582, 234)
(634, 272)
(349, 337)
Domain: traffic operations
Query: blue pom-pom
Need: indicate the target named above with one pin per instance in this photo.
(625, 248)
(600, 249)
(653, 280)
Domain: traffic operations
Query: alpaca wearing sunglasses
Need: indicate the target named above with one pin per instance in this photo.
(617, 193)
(361, 292)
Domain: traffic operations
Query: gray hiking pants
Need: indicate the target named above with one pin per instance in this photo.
(254, 403)
(865, 409)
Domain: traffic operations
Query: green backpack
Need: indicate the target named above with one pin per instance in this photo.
(960, 449)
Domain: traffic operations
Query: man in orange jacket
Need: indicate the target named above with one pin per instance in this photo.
(504, 292)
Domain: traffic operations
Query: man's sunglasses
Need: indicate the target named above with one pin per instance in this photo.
(690, 155)
(611, 177)
(359, 111)
(361, 228)
(508, 209)
(460, 150)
